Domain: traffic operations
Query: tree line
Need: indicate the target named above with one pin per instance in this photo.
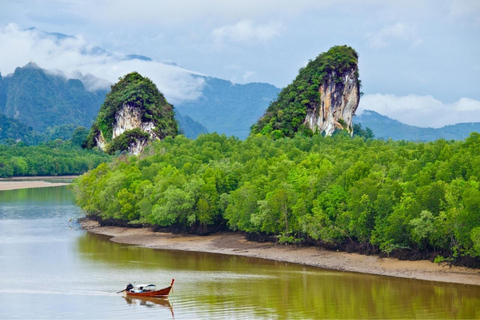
(53, 158)
(340, 192)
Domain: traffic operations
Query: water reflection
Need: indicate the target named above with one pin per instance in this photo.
(64, 272)
(230, 285)
(150, 303)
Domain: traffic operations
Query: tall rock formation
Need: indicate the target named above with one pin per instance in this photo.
(133, 114)
(322, 98)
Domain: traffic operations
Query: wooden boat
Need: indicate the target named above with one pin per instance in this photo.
(146, 290)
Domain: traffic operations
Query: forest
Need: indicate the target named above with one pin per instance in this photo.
(54, 158)
(397, 198)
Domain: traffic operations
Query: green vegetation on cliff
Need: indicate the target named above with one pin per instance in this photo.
(285, 116)
(142, 94)
(356, 194)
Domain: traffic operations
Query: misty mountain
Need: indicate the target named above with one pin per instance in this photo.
(40, 100)
(87, 48)
(189, 127)
(388, 128)
(225, 107)
(37, 105)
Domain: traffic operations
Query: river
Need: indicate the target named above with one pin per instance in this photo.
(50, 268)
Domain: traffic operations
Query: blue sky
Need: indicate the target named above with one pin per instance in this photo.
(419, 60)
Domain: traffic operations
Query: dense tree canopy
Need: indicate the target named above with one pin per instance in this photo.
(338, 191)
(54, 158)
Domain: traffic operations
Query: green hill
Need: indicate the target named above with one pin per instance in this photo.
(12, 130)
(134, 112)
(41, 100)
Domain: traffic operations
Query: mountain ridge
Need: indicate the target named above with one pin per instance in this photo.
(385, 127)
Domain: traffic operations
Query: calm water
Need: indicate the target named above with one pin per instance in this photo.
(50, 268)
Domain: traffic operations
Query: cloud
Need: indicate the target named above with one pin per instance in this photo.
(247, 75)
(422, 111)
(398, 32)
(246, 31)
(74, 55)
(459, 9)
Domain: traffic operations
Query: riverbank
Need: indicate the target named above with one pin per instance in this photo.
(235, 244)
(16, 183)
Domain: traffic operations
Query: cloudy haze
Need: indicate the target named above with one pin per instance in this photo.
(419, 60)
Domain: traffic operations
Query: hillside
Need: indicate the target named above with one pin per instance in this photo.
(40, 100)
(12, 130)
(388, 128)
(229, 108)
(189, 127)
(38, 105)
(134, 113)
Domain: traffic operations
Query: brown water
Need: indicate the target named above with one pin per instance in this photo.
(50, 268)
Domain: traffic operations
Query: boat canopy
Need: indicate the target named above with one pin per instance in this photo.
(144, 285)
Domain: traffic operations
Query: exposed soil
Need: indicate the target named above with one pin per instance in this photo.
(14, 185)
(236, 244)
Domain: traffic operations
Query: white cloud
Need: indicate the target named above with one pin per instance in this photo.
(460, 9)
(422, 111)
(247, 75)
(246, 31)
(74, 54)
(397, 32)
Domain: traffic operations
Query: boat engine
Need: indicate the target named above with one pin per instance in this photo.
(129, 287)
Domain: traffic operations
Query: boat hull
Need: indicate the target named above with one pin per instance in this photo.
(158, 293)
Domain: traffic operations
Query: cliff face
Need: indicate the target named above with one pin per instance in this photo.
(322, 98)
(338, 102)
(133, 114)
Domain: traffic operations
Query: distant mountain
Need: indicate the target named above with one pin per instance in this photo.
(87, 48)
(14, 130)
(189, 127)
(387, 128)
(229, 108)
(37, 105)
(41, 100)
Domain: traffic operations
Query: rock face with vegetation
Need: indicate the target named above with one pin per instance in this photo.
(134, 113)
(323, 97)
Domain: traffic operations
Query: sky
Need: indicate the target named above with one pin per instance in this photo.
(419, 60)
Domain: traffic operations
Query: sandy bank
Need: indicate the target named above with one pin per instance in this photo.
(235, 244)
(13, 185)
(38, 178)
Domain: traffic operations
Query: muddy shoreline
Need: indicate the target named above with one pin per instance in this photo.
(15, 185)
(235, 244)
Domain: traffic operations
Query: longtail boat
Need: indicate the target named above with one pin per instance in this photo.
(146, 290)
